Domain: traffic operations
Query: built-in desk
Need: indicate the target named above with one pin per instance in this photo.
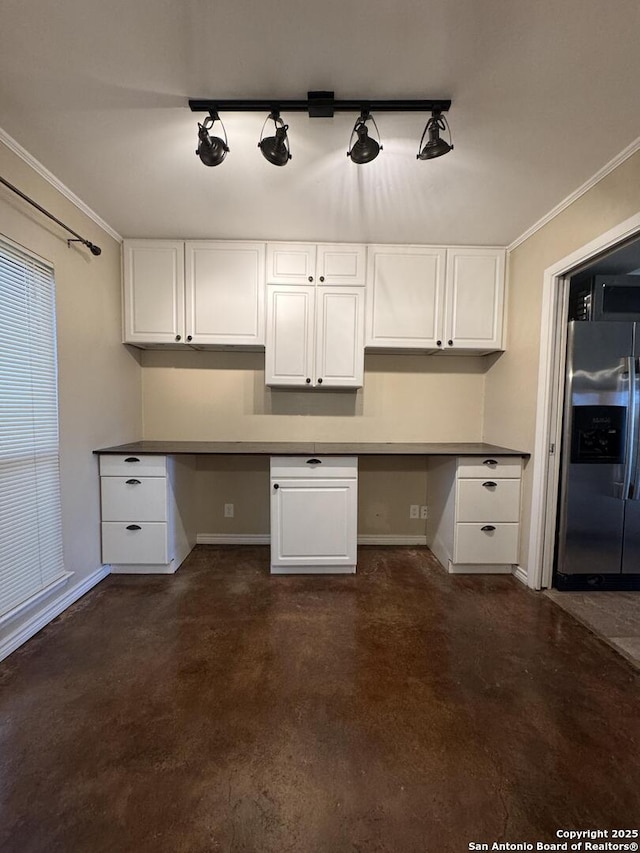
(147, 500)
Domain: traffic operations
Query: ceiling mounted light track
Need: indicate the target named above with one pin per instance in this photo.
(213, 150)
(275, 149)
(435, 147)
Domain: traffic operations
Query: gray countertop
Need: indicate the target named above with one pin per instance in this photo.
(305, 448)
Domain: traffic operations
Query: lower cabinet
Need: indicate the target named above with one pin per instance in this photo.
(143, 531)
(474, 512)
(314, 513)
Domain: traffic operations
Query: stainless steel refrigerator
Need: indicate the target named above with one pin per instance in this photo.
(599, 519)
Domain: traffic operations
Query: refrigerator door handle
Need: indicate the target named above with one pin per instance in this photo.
(630, 475)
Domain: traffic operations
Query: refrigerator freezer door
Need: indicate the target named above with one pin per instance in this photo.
(595, 448)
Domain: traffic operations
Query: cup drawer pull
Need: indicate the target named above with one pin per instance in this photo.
(489, 484)
(133, 482)
(132, 459)
(488, 528)
(490, 462)
(314, 461)
(137, 527)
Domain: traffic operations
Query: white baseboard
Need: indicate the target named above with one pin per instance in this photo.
(28, 629)
(520, 574)
(265, 539)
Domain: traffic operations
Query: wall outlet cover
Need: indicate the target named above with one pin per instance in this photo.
(424, 512)
(414, 511)
(228, 510)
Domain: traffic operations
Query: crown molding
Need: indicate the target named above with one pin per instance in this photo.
(627, 152)
(37, 166)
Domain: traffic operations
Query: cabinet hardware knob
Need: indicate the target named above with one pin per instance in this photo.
(450, 343)
(321, 278)
(133, 482)
(489, 484)
(276, 486)
(314, 461)
(490, 462)
(310, 278)
(133, 527)
(488, 528)
(178, 337)
(439, 343)
(189, 337)
(132, 459)
(308, 381)
(320, 381)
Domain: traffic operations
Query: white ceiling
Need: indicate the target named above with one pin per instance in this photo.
(544, 94)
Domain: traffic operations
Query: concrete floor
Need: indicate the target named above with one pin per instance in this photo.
(399, 710)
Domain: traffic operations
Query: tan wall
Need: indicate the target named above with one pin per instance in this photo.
(203, 396)
(99, 380)
(512, 382)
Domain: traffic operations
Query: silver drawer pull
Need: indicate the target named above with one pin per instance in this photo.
(490, 462)
(314, 461)
(137, 483)
(137, 527)
(488, 528)
(132, 459)
(489, 484)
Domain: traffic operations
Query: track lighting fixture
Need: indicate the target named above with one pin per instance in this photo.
(364, 149)
(211, 149)
(275, 149)
(435, 147)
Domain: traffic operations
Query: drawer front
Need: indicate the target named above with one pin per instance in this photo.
(475, 545)
(133, 465)
(489, 467)
(148, 544)
(142, 498)
(488, 500)
(314, 466)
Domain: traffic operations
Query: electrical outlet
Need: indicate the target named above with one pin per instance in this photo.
(228, 510)
(424, 512)
(414, 511)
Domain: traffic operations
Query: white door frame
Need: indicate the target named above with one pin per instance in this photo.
(546, 464)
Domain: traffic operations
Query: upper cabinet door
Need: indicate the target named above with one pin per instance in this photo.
(339, 359)
(289, 340)
(475, 299)
(341, 263)
(153, 292)
(291, 263)
(405, 294)
(224, 293)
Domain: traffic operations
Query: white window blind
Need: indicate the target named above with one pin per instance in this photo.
(30, 514)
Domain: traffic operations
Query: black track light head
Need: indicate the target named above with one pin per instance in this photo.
(211, 149)
(364, 149)
(435, 147)
(276, 149)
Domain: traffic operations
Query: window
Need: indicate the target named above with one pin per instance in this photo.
(30, 514)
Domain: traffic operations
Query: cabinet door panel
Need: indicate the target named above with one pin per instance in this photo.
(405, 287)
(289, 343)
(340, 263)
(313, 522)
(153, 291)
(291, 263)
(225, 293)
(340, 338)
(475, 296)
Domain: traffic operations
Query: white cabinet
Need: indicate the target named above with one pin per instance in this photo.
(405, 297)
(474, 512)
(198, 293)
(314, 515)
(435, 299)
(143, 531)
(315, 336)
(308, 263)
(473, 317)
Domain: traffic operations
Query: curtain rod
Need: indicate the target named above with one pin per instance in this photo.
(95, 250)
